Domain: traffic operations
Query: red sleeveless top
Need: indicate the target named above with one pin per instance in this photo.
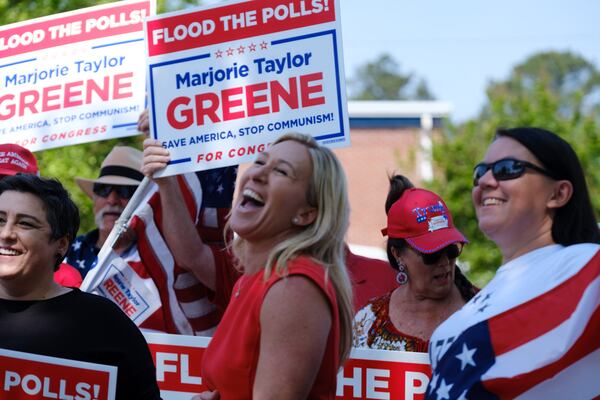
(230, 361)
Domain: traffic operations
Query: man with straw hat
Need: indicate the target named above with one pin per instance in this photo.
(118, 179)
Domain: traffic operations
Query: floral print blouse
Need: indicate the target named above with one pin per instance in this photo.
(372, 328)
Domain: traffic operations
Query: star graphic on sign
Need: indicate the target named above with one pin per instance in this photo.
(466, 356)
(463, 395)
(252, 47)
(218, 54)
(433, 383)
(81, 264)
(76, 245)
(443, 391)
(263, 45)
(241, 49)
(220, 189)
(230, 51)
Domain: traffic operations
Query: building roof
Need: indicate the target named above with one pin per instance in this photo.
(396, 113)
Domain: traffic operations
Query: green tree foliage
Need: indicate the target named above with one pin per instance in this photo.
(382, 79)
(83, 160)
(555, 91)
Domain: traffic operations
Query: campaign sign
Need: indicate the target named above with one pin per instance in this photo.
(384, 374)
(225, 81)
(135, 296)
(368, 374)
(26, 376)
(74, 77)
(178, 360)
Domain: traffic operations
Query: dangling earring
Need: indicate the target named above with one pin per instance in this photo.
(402, 276)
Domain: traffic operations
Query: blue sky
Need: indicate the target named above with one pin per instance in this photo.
(459, 46)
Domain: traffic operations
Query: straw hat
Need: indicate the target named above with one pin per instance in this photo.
(122, 166)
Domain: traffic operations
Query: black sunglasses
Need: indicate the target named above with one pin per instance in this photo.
(506, 169)
(123, 191)
(452, 251)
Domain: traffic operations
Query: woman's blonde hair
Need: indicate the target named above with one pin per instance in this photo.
(323, 240)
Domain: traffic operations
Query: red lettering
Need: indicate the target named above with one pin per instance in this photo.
(65, 95)
(306, 89)
(122, 83)
(102, 92)
(70, 94)
(210, 111)
(30, 104)
(10, 107)
(110, 286)
(187, 114)
(241, 101)
(252, 99)
(47, 98)
(290, 97)
(229, 103)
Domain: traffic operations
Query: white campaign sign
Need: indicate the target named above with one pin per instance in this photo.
(226, 81)
(74, 77)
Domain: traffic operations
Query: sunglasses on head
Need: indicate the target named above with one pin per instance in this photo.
(506, 169)
(123, 191)
(452, 251)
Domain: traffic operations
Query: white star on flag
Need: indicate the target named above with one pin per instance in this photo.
(81, 264)
(466, 356)
(433, 383)
(443, 391)
(76, 245)
(463, 395)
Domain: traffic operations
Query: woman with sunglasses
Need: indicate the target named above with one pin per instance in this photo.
(532, 332)
(422, 246)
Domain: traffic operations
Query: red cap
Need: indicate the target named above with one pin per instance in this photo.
(15, 159)
(423, 220)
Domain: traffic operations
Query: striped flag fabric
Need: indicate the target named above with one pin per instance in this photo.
(532, 333)
(146, 282)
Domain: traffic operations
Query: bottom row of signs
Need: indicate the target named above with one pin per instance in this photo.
(368, 374)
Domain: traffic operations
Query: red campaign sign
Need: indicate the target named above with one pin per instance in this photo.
(368, 374)
(234, 22)
(72, 27)
(178, 360)
(25, 376)
(380, 379)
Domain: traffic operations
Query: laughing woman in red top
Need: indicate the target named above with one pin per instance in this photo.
(287, 328)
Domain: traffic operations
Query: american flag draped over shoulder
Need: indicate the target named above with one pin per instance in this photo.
(175, 301)
(532, 333)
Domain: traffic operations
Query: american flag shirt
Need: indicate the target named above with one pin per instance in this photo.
(532, 333)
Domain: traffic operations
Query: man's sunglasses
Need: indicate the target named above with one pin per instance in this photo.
(506, 169)
(123, 191)
(452, 251)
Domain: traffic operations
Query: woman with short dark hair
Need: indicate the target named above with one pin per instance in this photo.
(38, 222)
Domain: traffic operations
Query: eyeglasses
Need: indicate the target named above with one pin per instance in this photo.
(506, 169)
(452, 251)
(123, 191)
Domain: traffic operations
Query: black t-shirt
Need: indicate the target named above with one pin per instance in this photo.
(84, 327)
